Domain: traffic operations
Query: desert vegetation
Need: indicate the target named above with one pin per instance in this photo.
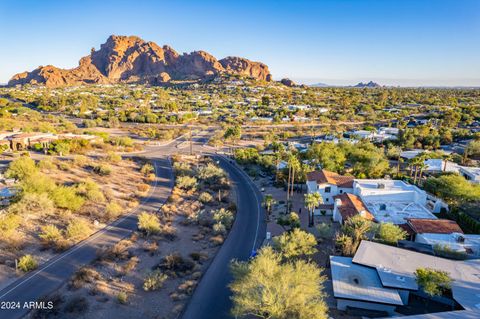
(61, 201)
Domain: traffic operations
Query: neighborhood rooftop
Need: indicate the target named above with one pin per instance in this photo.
(355, 281)
(396, 268)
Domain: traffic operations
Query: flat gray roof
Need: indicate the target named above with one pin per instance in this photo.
(357, 282)
(396, 268)
(460, 314)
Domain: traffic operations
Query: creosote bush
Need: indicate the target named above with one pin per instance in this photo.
(27, 263)
(149, 223)
(154, 280)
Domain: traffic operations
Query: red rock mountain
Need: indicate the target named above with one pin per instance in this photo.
(129, 59)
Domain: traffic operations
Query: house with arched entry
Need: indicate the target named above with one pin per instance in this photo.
(19, 141)
(22, 141)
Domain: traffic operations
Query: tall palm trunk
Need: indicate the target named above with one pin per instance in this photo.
(288, 184)
(293, 180)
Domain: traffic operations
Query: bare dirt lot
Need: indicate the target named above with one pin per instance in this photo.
(192, 226)
(105, 189)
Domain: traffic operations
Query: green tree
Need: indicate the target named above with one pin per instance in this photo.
(267, 288)
(433, 282)
(21, 168)
(295, 244)
(454, 189)
(268, 202)
(389, 233)
(233, 134)
(292, 221)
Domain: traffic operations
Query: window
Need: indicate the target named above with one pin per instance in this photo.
(326, 199)
(328, 189)
(341, 191)
(383, 207)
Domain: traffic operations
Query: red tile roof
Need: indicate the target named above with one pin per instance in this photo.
(324, 176)
(434, 226)
(352, 205)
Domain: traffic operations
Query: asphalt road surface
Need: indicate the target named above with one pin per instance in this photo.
(211, 299)
(51, 275)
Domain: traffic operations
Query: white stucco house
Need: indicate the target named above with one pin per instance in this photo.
(382, 200)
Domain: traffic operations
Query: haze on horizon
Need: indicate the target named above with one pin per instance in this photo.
(338, 42)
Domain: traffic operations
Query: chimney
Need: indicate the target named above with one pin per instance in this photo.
(338, 202)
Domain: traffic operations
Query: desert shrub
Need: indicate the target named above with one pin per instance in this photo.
(223, 216)
(149, 223)
(21, 168)
(210, 173)
(32, 203)
(130, 265)
(186, 182)
(102, 169)
(9, 234)
(50, 235)
(147, 169)
(154, 280)
(80, 160)
(91, 191)
(324, 230)
(124, 141)
(113, 157)
(38, 183)
(65, 165)
(46, 164)
(67, 198)
(205, 197)
(84, 275)
(143, 187)
(119, 251)
(187, 287)
(176, 264)
(78, 229)
(217, 240)
(27, 263)
(122, 297)
(219, 229)
(290, 221)
(168, 231)
(182, 169)
(151, 177)
(113, 210)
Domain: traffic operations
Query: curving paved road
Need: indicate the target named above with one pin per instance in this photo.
(211, 299)
(51, 275)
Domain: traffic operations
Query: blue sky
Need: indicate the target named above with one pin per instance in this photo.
(394, 42)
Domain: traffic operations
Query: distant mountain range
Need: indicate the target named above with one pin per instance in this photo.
(129, 59)
(370, 84)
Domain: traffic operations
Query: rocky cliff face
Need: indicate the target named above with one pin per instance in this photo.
(130, 59)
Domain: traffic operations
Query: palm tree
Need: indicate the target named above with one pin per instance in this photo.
(295, 166)
(446, 158)
(400, 160)
(268, 202)
(312, 200)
